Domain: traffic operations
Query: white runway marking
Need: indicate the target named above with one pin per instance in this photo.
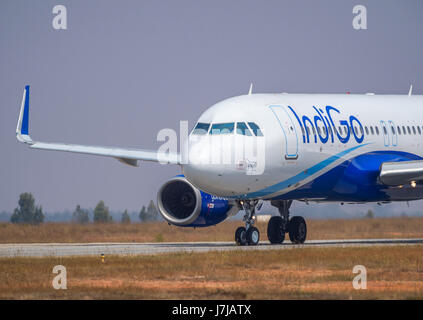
(87, 249)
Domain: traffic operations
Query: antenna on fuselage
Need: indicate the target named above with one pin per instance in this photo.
(251, 89)
(410, 91)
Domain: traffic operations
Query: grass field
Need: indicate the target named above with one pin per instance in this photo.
(301, 273)
(393, 272)
(162, 232)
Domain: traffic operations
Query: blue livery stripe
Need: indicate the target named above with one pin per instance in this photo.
(299, 177)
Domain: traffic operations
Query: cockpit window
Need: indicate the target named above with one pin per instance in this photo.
(241, 128)
(222, 128)
(255, 129)
(201, 128)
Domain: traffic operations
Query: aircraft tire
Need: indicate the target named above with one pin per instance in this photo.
(275, 232)
(253, 236)
(297, 229)
(241, 236)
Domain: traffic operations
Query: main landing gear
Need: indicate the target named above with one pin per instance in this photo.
(248, 235)
(279, 225)
(296, 227)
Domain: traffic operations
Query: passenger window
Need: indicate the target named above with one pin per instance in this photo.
(384, 131)
(201, 128)
(241, 128)
(222, 128)
(403, 130)
(398, 130)
(319, 131)
(408, 130)
(419, 130)
(367, 130)
(393, 130)
(414, 130)
(377, 130)
(371, 129)
(256, 129)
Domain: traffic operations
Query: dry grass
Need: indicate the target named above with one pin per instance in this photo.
(305, 273)
(160, 231)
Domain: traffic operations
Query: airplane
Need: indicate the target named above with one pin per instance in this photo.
(343, 148)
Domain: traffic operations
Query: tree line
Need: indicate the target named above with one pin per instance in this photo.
(28, 212)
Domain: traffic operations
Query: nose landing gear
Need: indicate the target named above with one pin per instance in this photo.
(249, 235)
(253, 236)
(241, 236)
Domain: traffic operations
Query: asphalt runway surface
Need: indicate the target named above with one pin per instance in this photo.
(93, 249)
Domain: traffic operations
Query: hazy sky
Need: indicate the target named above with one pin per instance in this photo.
(123, 70)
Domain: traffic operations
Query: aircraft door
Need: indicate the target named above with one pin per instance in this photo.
(385, 133)
(393, 133)
(288, 130)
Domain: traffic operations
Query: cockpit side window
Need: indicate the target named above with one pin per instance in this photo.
(222, 128)
(255, 129)
(201, 128)
(241, 128)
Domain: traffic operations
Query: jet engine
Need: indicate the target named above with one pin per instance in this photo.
(182, 204)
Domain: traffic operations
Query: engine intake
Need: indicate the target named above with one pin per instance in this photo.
(179, 201)
(182, 204)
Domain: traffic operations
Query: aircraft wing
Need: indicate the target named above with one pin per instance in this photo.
(399, 173)
(126, 155)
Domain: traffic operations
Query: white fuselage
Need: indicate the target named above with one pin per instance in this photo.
(304, 137)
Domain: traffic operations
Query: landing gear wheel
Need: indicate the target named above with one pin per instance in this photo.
(241, 236)
(253, 236)
(297, 230)
(275, 230)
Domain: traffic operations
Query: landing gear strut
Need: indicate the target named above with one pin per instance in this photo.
(250, 234)
(279, 225)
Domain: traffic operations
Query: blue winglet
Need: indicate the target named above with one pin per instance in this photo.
(22, 130)
(25, 118)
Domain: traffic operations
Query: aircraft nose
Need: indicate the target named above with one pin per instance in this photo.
(204, 156)
(199, 151)
(201, 167)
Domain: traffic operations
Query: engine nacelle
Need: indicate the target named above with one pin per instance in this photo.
(182, 204)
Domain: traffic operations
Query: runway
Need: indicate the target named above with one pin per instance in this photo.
(92, 249)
